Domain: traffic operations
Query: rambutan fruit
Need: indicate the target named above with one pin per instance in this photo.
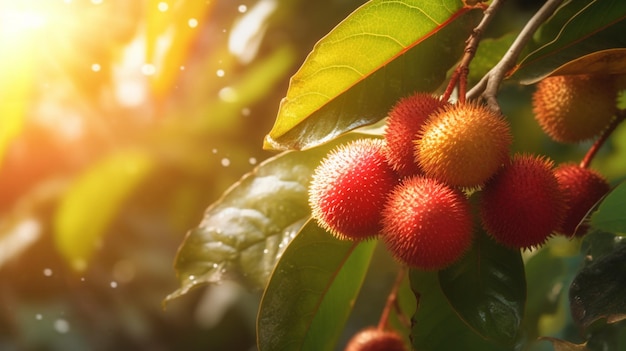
(522, 204)
(463, 144)
(349, 188)
(403, 123)
(575, 108)
(426, 223)
(372, 339)
(582, 188)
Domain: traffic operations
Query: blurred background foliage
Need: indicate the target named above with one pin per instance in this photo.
(120, 122)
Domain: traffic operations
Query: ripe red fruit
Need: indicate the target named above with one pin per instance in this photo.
(404, 122)
(575, 108)
(582, 188)
(463, 144)
(349, 189)
(427, 224)
(372, 339)
(522, 204)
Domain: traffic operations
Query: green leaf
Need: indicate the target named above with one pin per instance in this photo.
(577, 29)
(384, 50)
(91, 203)
(489, 52)
(487, 288)
(610, 216)
(598, 290)
(243, 233)
(311, 291)
(436, 326)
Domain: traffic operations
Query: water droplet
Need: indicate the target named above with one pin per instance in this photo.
(47, 272)
(96, 67)
(227, 94)
(61, 326)
(193, 23)
(225, 162)
(163, 6)
(148, 69)
(220, 73)
(113, 284)
(38, 316)
(252, 160)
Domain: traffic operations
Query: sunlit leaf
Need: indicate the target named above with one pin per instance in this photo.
(243, 233)
(312, 291)
(436, 326)
(562, 345)
(598, 290)
(577, 29)
(92, 202)
(610, 215)
(487, 288)
(384, 50)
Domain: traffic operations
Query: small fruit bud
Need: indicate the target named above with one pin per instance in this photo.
(463, 145)
(349, 188)
(427, 224)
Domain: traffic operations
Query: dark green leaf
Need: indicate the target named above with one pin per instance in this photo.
(244, 232)
(489, 52)
(384, 50)
(436, 326)
(487, 288)
(311, 291)
(577, 29)
(610, 215)
(598, 290)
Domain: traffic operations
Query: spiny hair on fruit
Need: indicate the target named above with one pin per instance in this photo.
(404, 121)
(582, 188)
(372, 339)
(463, 144)
(522, 204)
(575, 108)
(426, 223)
(349, 188)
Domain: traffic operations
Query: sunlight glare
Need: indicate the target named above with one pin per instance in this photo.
(247, 34)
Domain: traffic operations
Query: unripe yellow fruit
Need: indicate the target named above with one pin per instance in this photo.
(463, 145)
(575, 108)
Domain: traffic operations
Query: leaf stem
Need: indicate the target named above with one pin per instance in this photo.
(392, 300)
(593, 150)
(488, 86)
(460, 73)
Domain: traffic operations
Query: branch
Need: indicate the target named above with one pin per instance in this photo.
(460, 73)
(490, 83)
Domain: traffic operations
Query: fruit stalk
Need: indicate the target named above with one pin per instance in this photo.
(460, 73)
(586, 161)
(392, 301)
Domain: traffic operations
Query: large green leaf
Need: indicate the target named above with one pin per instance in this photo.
(577, 29)
(312, 291)
(610, 215)
(487, 288)
(93, 200)
(243, 233)
(436, 326)
(384, 50)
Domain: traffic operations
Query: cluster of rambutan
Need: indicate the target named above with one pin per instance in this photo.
(411, 188)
